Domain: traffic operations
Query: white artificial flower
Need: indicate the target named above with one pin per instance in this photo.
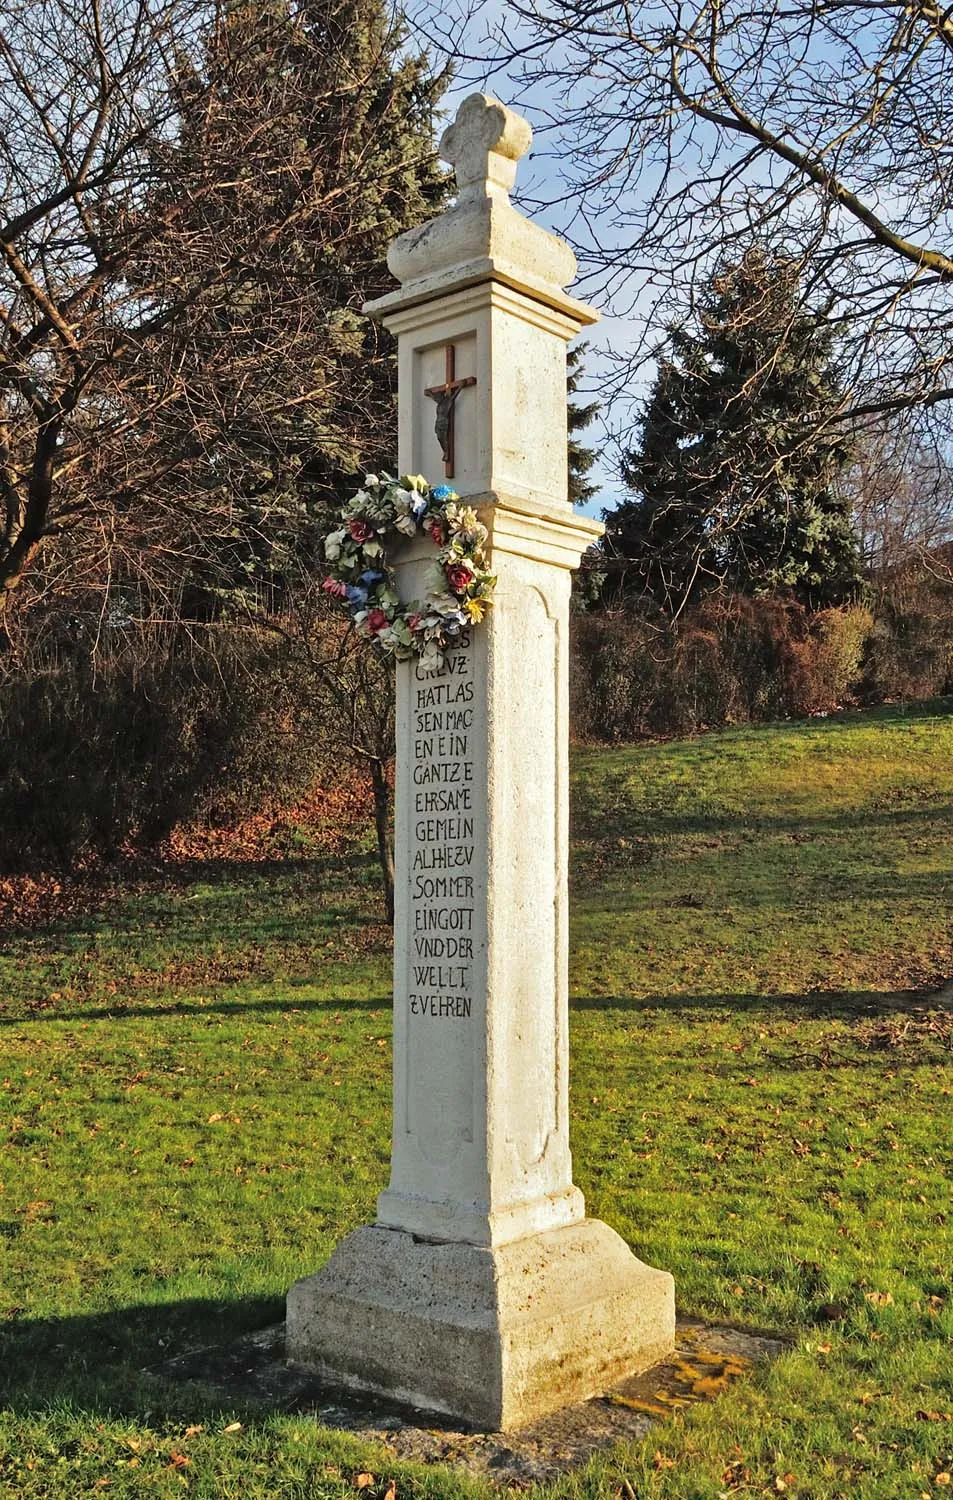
(406, 524)
(332, 545)
(465, 525)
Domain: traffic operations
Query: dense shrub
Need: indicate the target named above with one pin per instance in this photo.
(158, 728)
(826, 668)
(729, 660)
(910, 651)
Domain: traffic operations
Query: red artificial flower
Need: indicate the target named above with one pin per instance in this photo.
(437, 534)
(413, 621)
(376, 620)
(335, 587)
(458, 577)
(360, 531)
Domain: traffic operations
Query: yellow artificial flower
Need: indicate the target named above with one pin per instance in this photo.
(475, 610)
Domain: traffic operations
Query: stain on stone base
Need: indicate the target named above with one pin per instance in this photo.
(707, 1358)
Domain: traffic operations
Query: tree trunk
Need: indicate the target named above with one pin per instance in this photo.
(23, 533)
(385, 837)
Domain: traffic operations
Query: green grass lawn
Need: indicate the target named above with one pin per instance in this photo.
(194, 1108)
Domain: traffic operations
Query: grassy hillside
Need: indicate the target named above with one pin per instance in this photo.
(194, 1108)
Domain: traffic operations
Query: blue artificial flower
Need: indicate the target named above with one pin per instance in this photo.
(442, 492)
(356, 596)
(371, 577)
(453, 622)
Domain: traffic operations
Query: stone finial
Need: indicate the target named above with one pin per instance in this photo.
(481, 236)
(483, 145)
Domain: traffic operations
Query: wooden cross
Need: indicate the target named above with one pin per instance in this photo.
(446, 396)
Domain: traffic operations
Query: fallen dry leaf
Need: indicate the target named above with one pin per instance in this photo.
(879, 1299)
(710, 1385)
(362, 1481)
(233, 1427)
(653, 1408)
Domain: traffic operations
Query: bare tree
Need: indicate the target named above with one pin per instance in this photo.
(354, 698)
(821, 127)
(86, 92)
(901, 494)
(357, 687)
(194, 205)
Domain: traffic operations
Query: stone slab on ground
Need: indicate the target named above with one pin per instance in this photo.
(707, 1358)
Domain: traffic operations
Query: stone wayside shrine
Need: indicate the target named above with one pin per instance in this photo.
(483, 1291)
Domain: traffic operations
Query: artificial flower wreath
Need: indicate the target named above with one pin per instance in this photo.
(462, 586)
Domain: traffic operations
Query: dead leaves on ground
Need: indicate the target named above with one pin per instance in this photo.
(366, 1481)
(879, 1299)
(699, 1376)
(909, 1031)
(326, 821)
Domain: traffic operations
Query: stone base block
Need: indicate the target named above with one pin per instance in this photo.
(493, 1337)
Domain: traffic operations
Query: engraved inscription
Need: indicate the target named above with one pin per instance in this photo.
(441, 879)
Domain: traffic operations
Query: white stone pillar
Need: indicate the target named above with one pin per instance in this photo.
(483, 1291)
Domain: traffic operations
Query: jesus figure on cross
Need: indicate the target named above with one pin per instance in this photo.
(445, 397)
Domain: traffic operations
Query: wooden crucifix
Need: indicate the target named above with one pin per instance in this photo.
(445, 397)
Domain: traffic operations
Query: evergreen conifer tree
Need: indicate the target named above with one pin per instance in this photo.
(734, 477)
(579, 417)
(306, 146)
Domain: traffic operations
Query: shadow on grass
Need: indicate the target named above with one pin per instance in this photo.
(622, 816)
(282, 1003)
(126, 890)
(908, 1028)
(215, 871)
(112, 1360)
(849, 718)
(772, 891)
(862, 1005)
